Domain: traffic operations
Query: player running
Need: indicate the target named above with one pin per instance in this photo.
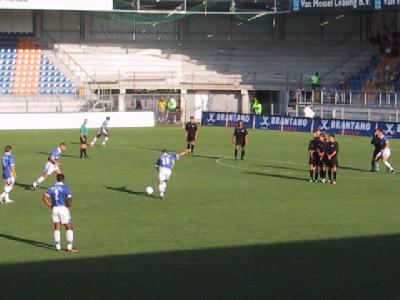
(83, 139)
(312, 156)
(164, 165)
(52, 166)
(191, 134)
(59, 199)
(331, 160)
(321, 158)
(9, 174)
(240, 140)
(104, 131)
(384, 154)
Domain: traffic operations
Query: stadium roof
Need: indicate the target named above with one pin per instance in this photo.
(204, 6)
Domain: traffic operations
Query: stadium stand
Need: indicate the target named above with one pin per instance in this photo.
(160, 65)
(25, 70)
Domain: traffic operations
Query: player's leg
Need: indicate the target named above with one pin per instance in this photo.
(311, 170)
(388, 164)
(8, 187)
(163, 177)
(192, 144)
(93, 142)
(66, 220)
(330, 173)
(48, 170)
(243, 151)
(334, 169)
(316, 169)
(57, 231)
(236, 151)
(322, 171)
(105, 139)
(374, 164)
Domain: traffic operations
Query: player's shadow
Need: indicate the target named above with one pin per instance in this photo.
(279, 167)
(205, 156)
(26, 241)
(27, 186)
(353, 169)
(48, 154)
(276, 175)
(123, 189)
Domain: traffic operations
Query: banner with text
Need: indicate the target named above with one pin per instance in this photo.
(226, 119)
(313, 5)
(95, 5)
(387, 4)
(299, 124)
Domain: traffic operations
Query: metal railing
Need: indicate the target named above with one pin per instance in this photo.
(78, 71)
(378, 106)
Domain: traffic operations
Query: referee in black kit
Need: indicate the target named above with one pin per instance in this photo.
(191, 134)
(376, 142)
(240, 139)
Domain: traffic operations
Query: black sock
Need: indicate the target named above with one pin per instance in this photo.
(311, 174)
(373, 164)
(242, 154)
(334, 175)
(236, 153)
(84, 151)
(316, 174)
(322, 174)
(192, 148)
(81, 153)
(188, 146)
(330, 174)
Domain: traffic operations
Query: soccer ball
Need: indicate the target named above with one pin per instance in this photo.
(149, 190)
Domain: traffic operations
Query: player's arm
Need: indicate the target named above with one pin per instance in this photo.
(69, 201)
(246, 138)
(183, 153)
(46, 200)
(13, 171)
(233, 138)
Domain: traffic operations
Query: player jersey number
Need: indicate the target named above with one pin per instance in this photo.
(165, 161)
(56, 194)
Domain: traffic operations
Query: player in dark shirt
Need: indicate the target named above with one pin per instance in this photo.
(320, 148)
(376, 141)
(191, 134)
(312, 156)
(331, 160)
(240, 139)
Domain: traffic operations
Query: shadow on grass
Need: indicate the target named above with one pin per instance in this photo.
(346, 268)
(277, 176)
(123, 189)
(28, 186)
(26, 241)
(214, 157)
(282, 167)
(354, 169)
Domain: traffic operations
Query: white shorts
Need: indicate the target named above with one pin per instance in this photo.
(50, 168)
(164, 174)
(61, 214)
(10, 180)
(385, 153)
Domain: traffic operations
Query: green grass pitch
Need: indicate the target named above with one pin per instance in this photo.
(254, 229)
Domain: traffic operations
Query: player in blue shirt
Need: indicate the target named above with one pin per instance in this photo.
(9, 174)
(59, 199)
(384, 154)
(104, 131)
(52, 166)
(164, 165)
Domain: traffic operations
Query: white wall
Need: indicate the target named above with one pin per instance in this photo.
(74, 120)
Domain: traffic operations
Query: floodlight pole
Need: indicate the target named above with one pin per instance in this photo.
(184, 5)
(138, 5)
